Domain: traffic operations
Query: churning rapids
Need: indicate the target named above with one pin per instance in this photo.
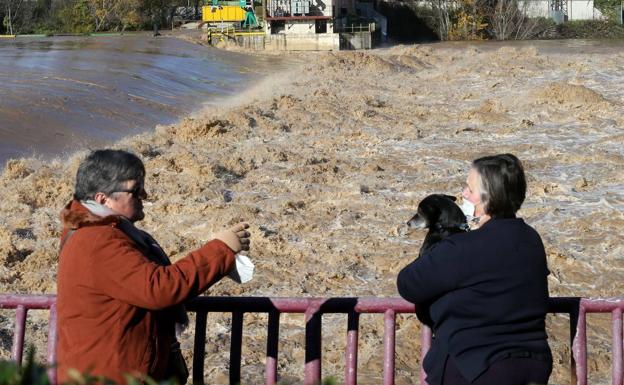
(328, 157)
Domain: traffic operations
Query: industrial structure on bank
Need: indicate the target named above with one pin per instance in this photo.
(295, 24)
(336, 24)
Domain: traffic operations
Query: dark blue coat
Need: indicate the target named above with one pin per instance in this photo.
(488, 296)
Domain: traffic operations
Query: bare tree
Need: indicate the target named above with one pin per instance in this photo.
(442, 10)
(12, 12)
(510, 20)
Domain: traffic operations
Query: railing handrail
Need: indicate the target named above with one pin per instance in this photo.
(314, 308)
(301, 304)
(32, 301)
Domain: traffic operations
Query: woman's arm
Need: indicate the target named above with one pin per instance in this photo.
(435, 273)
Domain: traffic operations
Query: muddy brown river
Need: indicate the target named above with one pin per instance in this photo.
(63, 93)
(329, 157)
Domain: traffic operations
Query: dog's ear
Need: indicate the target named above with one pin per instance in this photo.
(451, 197)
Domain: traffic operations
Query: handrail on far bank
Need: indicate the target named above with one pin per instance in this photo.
(313, 309)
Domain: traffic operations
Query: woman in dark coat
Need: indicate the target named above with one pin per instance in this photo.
(486, 290)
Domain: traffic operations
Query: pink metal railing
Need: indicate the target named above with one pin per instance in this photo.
(21, 304)
(579, 342)
(314, 308)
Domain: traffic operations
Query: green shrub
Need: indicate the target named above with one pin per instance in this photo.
(609, 8)
(76, 18)
(29, 374)
(590, 29)
(545, 28)
(33, 373)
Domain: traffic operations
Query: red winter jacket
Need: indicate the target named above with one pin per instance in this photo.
(113, 301)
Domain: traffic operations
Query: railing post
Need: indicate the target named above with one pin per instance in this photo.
(236, 343)
(18, 337)
(313, 350)
(579, 347)
(351, 354)
(272, 348)
(52, 340)
(617, 346)
(199, 350)
(389, 335)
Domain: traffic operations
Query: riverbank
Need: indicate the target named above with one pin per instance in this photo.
(328, 160)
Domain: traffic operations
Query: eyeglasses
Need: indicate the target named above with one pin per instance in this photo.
(138, 191)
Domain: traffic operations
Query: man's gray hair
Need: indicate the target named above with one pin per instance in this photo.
(105, 170)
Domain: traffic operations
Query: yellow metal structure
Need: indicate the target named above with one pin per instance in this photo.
(223, 13)
(216, 35)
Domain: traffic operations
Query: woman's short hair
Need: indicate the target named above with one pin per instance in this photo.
(105, 171)
(503, 184)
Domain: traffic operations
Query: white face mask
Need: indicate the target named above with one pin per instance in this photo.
(468, 208)
(243, 272)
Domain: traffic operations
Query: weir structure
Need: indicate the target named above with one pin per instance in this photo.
(313, 309)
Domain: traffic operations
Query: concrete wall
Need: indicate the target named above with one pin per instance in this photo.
(582, 10)
(299, 27)
(291, 42)
(251, 43)
(303, 42)
(535, 8)
(357, 40)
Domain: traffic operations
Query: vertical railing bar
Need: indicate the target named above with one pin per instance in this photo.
(425, 344)
(579, 347)
(236, 343)
(199, 349)
(18, 336)
(313, 349)
(616, 317)
(574, 317)
(389, 336)
(52, 341)
(272, 348)
(351, 354)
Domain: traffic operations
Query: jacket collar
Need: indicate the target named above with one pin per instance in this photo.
(75, 216)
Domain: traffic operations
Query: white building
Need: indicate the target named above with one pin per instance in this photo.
(572, 9)
(300, 25)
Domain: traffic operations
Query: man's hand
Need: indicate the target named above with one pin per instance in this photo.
(236, 237)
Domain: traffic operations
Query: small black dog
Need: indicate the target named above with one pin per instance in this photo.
(439, 214)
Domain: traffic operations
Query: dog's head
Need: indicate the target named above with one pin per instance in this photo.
(438, 211)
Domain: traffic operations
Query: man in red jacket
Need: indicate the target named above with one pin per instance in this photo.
(119, 297)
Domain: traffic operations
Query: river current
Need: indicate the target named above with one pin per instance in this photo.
(64, 93)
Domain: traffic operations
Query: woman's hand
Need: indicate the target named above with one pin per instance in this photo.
(236, 237)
